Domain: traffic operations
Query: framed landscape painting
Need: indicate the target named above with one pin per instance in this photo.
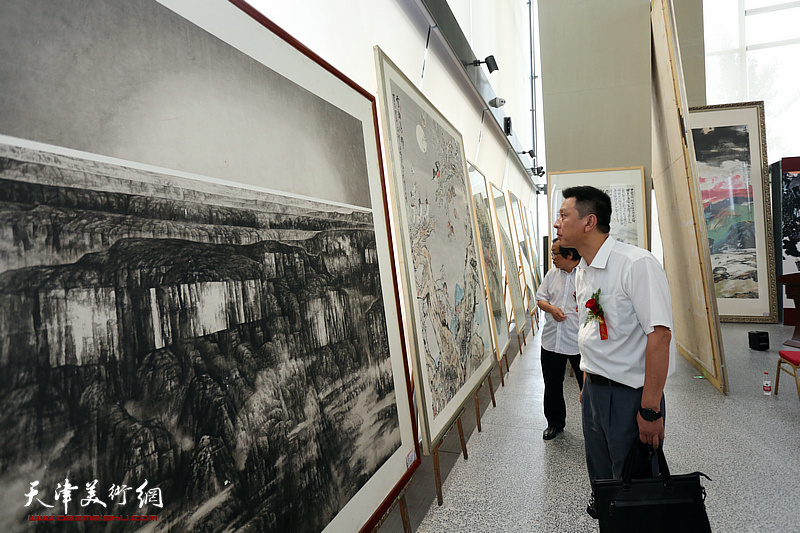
(625, 186)
(492, 262)
(523, 244)
(510, 256)
(730, 150)
(193, 310)
(447, 314)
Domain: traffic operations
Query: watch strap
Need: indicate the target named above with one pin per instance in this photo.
(651, 415)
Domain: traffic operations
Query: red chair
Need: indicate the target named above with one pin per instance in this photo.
(791, 359)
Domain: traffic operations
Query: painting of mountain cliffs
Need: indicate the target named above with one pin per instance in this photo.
(226, 345)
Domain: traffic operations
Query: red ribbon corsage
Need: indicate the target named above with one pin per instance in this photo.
(596, 312)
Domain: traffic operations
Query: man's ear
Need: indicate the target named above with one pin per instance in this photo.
(591, 223)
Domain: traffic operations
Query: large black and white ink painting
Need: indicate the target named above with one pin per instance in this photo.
(790, 209)
(198, 307)
(228, 347)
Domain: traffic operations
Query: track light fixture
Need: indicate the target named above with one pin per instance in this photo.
(529, 152)
(491, 64)
(538, 171)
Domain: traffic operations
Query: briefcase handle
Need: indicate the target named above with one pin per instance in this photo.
(645, 451)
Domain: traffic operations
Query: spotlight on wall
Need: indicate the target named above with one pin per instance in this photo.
(491, 64)
(507, 125)
(529, 152)
(497, 102)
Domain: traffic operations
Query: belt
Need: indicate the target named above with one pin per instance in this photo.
(603, 381)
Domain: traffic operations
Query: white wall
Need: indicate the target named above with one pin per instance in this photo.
(345, 38)
(597, 87)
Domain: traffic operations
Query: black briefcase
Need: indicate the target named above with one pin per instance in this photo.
(665, 503)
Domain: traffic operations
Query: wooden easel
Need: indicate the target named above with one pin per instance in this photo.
(491, 392)
(400, 502)
(437, 473)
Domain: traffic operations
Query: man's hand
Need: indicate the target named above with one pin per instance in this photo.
(650, 432)
(554, 311)
(656, 369)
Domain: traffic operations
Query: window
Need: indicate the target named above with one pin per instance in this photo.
(752, 53)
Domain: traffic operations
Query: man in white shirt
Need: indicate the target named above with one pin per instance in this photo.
(625, 338)
(556, 296)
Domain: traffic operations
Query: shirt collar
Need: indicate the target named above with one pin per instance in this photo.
(601, 258)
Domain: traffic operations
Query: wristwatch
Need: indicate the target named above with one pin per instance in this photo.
(648, 414)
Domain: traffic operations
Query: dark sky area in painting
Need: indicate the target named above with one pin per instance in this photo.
(714, 146)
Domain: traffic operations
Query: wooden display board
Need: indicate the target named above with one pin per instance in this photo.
(448, 320)
(681, 223)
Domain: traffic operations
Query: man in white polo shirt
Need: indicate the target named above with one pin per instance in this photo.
(625, 338)
(556, 297)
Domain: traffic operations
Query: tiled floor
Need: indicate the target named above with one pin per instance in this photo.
(514, 481)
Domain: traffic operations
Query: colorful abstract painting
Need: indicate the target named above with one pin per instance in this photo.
(724, 168)
(733, 180)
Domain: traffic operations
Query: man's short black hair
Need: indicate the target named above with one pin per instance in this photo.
(591, 201)
(566, 252)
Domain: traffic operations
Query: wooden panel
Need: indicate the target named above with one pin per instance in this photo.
(681, 221)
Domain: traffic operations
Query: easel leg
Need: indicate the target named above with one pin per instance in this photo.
(477, 411)
(437, 473)
(505, 356)
(491, 388)
(461, 436)
(502, 381)
(404, 514)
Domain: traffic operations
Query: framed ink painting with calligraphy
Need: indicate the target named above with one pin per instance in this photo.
(625, 186)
